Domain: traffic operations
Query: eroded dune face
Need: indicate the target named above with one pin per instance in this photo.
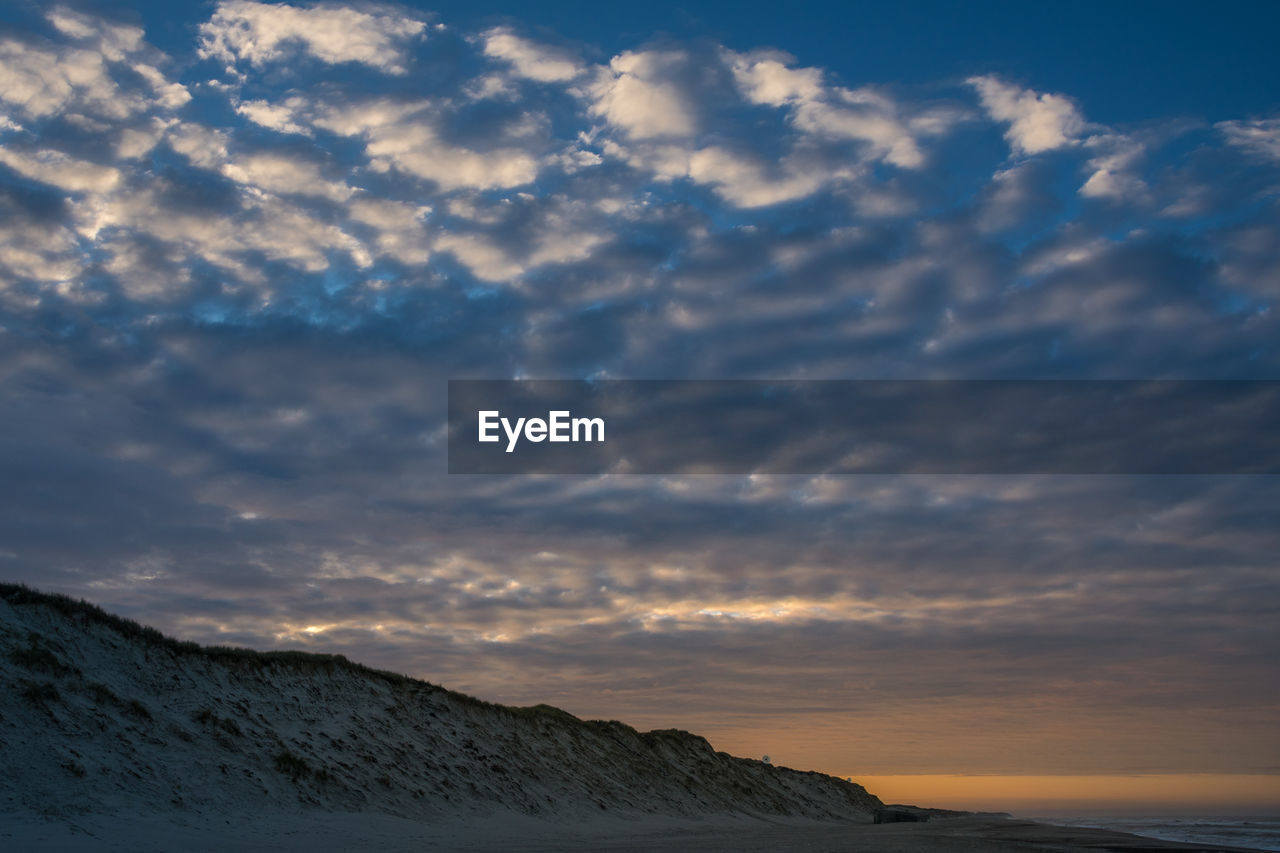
(103, 716)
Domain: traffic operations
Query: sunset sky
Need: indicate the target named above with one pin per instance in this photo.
(243, 248)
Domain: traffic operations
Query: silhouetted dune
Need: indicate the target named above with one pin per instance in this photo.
(100, 715)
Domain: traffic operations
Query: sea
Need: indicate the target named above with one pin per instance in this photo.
(1258, 833)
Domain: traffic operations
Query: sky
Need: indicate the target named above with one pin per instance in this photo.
(243, 248)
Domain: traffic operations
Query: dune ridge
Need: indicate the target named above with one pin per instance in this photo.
(100, 715)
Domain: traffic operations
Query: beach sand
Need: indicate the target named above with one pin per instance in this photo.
(316, 833)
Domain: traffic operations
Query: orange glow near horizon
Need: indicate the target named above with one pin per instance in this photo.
(1196, 794)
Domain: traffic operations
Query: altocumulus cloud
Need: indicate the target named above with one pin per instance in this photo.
(233, 279)
(262, 33)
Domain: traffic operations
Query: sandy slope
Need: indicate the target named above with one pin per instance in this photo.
(100, 716)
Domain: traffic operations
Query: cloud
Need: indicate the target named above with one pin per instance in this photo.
(169, 96)
(34, 247)
(278, 117)
(239, 235)
(114, 41)
(60, 170)
(1037, 122)
(123, 44)
(39, 82)
(1017, 197)
(746, 182)
(517, 236)
(399, 228)
(528, 59)
(832, 112)
(1260, 137)
(135, 142)
(866, 117)
(769, 81)
(205, 147)
(407, 137)
(1250, 262)
(1113, 169)
(260, 33)
(652, 98)
(638, 95)
(281, 173)
(415, 147)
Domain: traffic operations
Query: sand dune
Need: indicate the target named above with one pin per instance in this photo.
(115, 737)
